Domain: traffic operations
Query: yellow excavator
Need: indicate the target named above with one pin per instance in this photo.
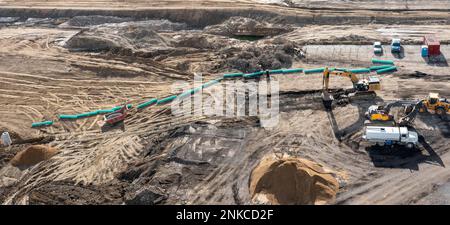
(432, 103)
(381, 113)
(360, 86)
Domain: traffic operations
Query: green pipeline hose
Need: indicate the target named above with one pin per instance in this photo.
(253, 75)
(166, 100)
(318, 70)
(361, 70)
(298, 70)
(104, 111)
(43, 123)
(275, 71)
(379, 67)
(210, 83)
(233, 75)
(68, 117)
(380, 61)
(389, 69)
(147, 103)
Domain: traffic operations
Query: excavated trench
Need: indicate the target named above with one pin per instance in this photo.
(201, 17)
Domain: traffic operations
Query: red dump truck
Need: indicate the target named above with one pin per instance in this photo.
(433, 44)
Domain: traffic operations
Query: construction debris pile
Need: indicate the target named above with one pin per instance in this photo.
(254, 59)
(241, 26)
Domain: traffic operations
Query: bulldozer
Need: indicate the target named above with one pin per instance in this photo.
(361, 87)
(441, 106)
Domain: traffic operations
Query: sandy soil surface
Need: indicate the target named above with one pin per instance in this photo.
(319, 4)
(52, 66)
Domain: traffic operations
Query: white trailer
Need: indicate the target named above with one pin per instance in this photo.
(390, 136)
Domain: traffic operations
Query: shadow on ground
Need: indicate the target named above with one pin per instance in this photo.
(402, 157)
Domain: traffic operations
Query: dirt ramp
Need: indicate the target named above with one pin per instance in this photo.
(290, 181)
(33, 155)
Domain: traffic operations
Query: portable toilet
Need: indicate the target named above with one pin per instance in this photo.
(6, 139)
(433, 44)
(424, 51)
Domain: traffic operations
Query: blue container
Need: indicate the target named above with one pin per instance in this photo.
(424, 51)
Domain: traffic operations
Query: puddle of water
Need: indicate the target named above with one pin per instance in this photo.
(248, 37)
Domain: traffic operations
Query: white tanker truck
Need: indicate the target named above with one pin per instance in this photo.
(391, 135)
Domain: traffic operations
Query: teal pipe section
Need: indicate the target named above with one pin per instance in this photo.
(380, 61)
(233, 75)
(68, 117)
(379, 67)
(166, 100)
(87, 114)
(275, 71)
(43, 123)
(390, 69)
(147, 103)
(299, 70)
(362, 70)
(116, 108)
(254, 75)
(341, 69)
(318, 70)
(210, 83)
(129, 106)
(104, 111)
(189, 92)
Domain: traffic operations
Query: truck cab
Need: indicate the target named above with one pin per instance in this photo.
(371, 84)
(410, 138)
(395, 45)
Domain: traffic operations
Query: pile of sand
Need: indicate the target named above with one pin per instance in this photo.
(33, 155)
(290, 181)
(133, 36)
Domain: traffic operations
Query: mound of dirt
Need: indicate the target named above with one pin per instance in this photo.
(33, 155)
(134, 36)
(290, 181)
(85, 21)
(202, 41)
(237, 26)
(253, 58)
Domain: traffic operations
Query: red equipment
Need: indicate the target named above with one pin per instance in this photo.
(117, 116)
(433, 44)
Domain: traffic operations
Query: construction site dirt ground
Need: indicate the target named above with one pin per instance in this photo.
(88, 58)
